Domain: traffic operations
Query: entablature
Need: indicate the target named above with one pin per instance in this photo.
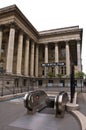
(12, 14)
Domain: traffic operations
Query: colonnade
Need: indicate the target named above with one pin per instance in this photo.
(28, 71)
(68, 59)
(33, 54)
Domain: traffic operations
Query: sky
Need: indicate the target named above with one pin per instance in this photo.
(53, 14)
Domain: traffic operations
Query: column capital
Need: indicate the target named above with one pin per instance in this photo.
(12, 25)
(67, 41)
(27, 38)
(46, 43)
(56, 42)
(32, 44)
(21, 31)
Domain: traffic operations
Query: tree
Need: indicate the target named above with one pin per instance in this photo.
(79, 74)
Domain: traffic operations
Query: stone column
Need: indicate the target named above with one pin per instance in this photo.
(67, 59)
(36, 63)
(26, 63)
(46, 53)
(78, 56)
(46, 58)
(56, 57)
(19, 53)
(32, 60)
(9, 65)
(1, 34)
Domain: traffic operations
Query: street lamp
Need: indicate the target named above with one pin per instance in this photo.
(1, 70)
(72, 83)
(1, 66)
(1, 61)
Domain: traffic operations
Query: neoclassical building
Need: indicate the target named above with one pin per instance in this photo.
(23, 49)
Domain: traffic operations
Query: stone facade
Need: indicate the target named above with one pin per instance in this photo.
(25, 49)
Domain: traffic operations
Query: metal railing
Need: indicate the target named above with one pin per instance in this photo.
(5, 90)
(79, 88)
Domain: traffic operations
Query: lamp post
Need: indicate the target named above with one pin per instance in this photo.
(72, 83)
(1, 70)
(1, 61)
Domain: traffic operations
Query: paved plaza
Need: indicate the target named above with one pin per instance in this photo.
(82, 103)
(13, 116)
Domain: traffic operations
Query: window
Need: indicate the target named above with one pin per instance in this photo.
(43, 54)
(24, 82)
(50, 81)
(40, 82)
(62, 82)
(63, 52)
(62, 71)
(42, 72)
(52, 70)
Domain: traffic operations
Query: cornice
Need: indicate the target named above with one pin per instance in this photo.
(15, 11)
(61, 31)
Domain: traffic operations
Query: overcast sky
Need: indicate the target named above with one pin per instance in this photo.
(52, 14)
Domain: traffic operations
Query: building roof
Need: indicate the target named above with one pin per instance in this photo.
(14, 10)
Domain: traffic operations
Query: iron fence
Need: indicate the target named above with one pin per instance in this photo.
(5, 90)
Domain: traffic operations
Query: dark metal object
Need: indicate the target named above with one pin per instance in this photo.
(2, 91)
(60, 102)
(81, 85)
(35, 100)
(2, 71)
(72, 83)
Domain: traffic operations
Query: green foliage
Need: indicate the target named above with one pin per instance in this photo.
(79, 74)
(50, 74)
(60, 75)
